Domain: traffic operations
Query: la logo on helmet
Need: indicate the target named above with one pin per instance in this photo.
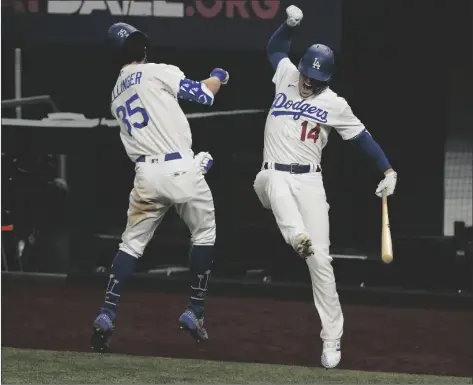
(316, 64)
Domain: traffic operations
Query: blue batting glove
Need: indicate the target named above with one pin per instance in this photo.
(223, 75)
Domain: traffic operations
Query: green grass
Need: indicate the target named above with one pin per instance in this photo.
(49, 367)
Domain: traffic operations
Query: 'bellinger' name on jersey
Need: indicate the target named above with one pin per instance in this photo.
(145, 103)
(297, 129)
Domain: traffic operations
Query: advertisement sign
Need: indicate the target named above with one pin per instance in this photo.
(224, 24)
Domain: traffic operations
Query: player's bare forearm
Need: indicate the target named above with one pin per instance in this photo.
(217, 77)
(213, 84)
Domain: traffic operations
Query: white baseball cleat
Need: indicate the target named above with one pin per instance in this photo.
(331, 354)
(303, 246)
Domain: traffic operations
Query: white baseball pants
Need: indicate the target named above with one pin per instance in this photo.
(299, 204)
(159, 185)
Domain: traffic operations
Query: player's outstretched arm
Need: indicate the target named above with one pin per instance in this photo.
(280, 43)
(203, 92)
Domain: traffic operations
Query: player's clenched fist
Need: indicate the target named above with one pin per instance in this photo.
(223, 75)
(294, 16)
(204, 161)
(388, 184)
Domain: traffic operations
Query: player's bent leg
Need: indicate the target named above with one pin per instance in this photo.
(199, 215)
(143, 218)
(274, 193)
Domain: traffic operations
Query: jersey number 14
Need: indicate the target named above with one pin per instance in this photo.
(128, 112)
(313, 134)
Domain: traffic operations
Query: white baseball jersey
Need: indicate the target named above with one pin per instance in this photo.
(144, 101)
(297, 129)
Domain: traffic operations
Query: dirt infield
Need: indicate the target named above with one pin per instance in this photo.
(58, 317)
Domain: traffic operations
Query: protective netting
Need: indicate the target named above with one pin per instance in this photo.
(458, 183)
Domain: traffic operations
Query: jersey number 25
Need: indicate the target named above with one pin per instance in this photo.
(312, 134)
(127, 112)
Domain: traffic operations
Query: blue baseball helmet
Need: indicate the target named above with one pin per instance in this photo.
(120, 33)
(318, 63)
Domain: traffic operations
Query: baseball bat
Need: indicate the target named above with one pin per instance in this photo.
(386, 241)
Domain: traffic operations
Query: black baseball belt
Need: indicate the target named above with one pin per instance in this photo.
(293, 168)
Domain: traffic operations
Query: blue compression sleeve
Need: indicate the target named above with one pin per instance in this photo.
(368, 145)
(280, 44)
(193, 91)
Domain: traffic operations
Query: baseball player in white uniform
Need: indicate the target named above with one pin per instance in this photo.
(303, 113)
(157, 138)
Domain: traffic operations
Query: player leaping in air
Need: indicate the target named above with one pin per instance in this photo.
(157, 138)
(290, 183)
